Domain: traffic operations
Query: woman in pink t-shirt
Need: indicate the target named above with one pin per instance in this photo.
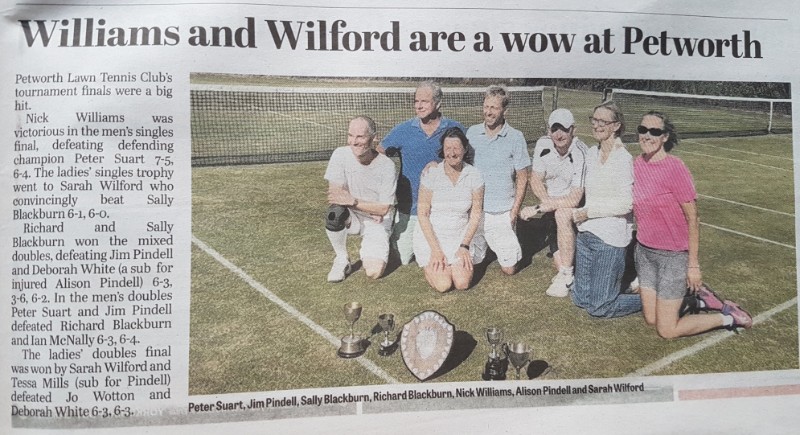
(668, 236)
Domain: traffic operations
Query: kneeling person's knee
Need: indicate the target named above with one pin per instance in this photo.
(336, 218)
(442, 286)
(665, 332)
(374, 268)
(509, 270)
(598, 310)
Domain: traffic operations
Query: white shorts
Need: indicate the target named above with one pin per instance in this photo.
(403, 236)
(496, 232)
(374, 236)
(449, 244)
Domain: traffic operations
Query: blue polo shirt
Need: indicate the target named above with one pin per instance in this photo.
(498, 159)
(416, 149)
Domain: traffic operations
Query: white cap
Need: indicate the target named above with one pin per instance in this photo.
(561, 116)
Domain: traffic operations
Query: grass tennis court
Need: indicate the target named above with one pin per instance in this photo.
(266, 221)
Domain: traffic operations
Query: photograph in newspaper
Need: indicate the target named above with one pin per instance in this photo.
(459, 215)
(272, 310)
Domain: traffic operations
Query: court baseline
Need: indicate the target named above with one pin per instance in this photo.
(324, 333)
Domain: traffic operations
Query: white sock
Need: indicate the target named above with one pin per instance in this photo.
(338, 241)
(566, 270)
(727, 320)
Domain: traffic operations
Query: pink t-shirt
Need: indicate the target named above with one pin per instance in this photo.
(659, 189)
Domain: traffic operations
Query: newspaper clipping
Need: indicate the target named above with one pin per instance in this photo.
(458, 217)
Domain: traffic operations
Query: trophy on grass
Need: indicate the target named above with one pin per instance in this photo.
(386, 322)
(425, 344)
(351, 345)
(518, 355)
(495, 369)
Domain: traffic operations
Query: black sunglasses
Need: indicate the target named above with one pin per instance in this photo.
(653, 131)
(555, 127)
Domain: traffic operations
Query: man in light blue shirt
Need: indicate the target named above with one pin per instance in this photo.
(501, 155)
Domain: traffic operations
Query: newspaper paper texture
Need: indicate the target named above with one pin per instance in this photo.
(165, 250)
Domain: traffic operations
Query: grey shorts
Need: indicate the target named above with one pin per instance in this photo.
(664, 271)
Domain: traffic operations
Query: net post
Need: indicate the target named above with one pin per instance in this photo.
(733, 116)
(554, 106)
(771, 106)
(607, 93)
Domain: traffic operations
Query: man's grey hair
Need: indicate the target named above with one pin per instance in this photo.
(435, 89)
(371, 128)
(499, 91)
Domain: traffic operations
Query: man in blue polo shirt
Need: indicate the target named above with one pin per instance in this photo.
(417, 142)
(501, 155)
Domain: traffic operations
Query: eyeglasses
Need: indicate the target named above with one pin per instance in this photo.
(600, 122)
(653, 131)
(555, 127)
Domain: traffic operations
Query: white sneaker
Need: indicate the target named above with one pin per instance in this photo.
(560, 285)
(634, 287)
(339, 271)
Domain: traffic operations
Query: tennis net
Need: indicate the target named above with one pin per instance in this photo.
(238, 124)
(707, 116)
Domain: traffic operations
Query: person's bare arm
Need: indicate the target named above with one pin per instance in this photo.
(438, 259)
(475, 215)
(338, 195)
(536, 181)
(570, 200)
(521, 181)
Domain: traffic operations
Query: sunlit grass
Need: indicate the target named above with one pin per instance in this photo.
(268, 221)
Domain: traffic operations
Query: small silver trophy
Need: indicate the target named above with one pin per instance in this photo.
(518, 354)
(351, 345)
(495, 369)
(386, 322)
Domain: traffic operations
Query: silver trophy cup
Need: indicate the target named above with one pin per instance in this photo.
(386, 323)
(495, 368)
(352, 345)
(518, 355)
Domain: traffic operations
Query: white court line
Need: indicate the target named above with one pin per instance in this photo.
(721, 335)
(715, 338)
(748, 235)
(694, 142)
(369, 365)
(735, 160)
(746, 205)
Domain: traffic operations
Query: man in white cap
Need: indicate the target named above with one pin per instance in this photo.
(557, 175)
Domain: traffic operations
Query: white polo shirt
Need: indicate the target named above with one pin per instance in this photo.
(561, 173)
(375, 182)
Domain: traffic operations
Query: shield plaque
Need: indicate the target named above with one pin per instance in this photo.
(425, 343)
